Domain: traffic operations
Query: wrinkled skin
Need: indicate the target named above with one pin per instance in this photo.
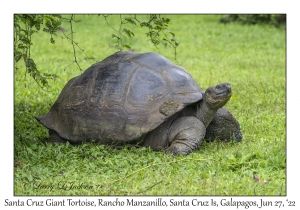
(185, 132)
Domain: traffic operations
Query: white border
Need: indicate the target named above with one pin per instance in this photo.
(154, 6)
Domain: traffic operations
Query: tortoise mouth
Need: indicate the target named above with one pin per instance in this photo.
(225, 93)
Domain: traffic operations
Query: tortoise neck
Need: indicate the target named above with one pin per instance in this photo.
(205, 113)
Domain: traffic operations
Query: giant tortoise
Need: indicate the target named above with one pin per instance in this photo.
(141, 99)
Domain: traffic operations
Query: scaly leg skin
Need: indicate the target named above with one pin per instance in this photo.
(223, 127)
(54, 138)
(186, 134)
(158, 138)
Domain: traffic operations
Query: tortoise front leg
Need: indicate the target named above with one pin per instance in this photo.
(185, 135)
(223, 127)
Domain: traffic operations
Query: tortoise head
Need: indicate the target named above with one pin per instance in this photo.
(217, 96)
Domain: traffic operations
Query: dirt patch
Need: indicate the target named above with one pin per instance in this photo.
(168, 108)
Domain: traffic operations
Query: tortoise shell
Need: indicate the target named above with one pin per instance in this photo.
(121, 98)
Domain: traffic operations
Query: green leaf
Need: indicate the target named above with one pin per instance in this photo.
(128, 32)
(127, 46)
(25, 40)
(130, 20)
(170, 32)
(166, 20)
(46, 30)
(18, 56)
(115, 36)
(22, 46)
(37, 26)
(164, 44)
(173, 40)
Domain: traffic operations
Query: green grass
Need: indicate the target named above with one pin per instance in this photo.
(250, 57)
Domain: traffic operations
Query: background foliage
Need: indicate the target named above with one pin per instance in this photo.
(270, 19)
(25, 25)
(250, 57)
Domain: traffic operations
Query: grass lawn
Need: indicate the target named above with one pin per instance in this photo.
(252, 58)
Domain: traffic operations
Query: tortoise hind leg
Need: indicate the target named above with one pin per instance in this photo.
(54, 138)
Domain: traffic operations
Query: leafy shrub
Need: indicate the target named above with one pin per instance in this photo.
(272, 19)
